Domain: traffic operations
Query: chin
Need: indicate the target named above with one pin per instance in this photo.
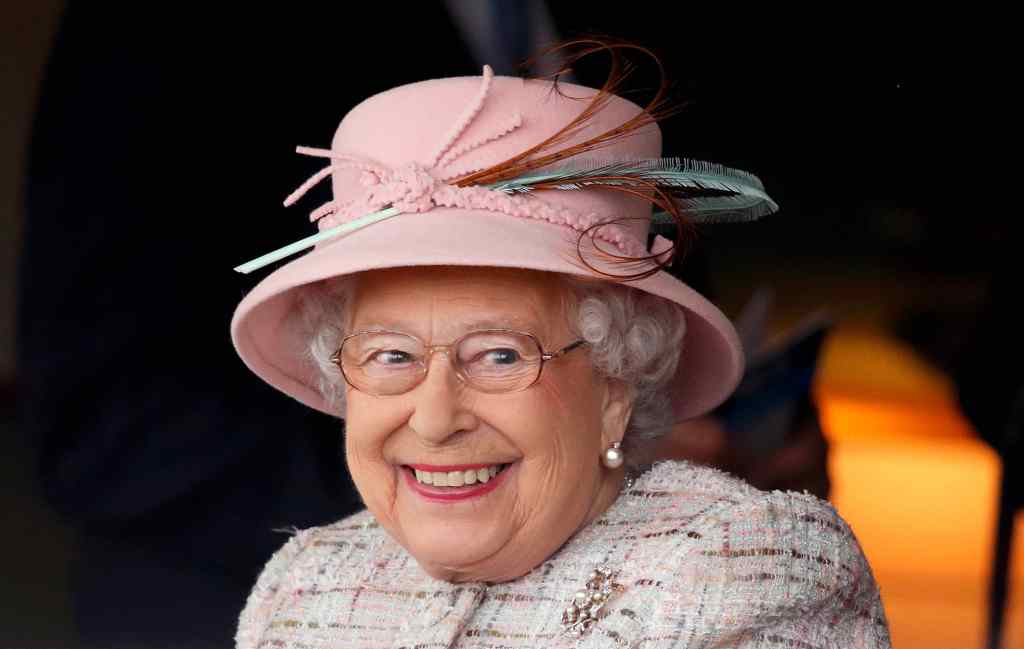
(442, 556)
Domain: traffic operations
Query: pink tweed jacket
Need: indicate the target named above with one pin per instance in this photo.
(703, 560)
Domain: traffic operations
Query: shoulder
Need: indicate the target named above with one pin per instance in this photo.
(778, 560)
(687, 478)
(298, 562)
(721, 503)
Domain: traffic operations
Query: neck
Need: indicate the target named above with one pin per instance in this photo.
(607, 494)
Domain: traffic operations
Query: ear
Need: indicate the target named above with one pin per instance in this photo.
(616, 408)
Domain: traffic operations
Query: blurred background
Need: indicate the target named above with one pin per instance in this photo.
(856, 130)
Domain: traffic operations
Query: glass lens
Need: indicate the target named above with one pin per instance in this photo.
(499, 361)
(382, 362)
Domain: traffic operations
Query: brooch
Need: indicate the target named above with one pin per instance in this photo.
(586, 605)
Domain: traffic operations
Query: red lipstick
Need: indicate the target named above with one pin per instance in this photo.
(453, 494)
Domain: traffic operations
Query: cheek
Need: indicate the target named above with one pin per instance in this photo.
(368, 426)
(559, 436)
(573, 401)
(369, 421)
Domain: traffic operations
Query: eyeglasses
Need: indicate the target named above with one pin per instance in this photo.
(385, 363)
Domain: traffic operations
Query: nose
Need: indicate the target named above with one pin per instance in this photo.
(439, 409)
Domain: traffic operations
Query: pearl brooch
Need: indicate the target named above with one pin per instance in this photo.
(584, 609)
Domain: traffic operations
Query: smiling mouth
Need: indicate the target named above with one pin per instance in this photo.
(454, 477)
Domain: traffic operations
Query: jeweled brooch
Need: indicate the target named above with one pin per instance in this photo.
(586, 605)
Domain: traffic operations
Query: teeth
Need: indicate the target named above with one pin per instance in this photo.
(457, 478)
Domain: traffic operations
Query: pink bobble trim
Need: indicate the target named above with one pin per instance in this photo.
(327, 208)
(413, 188)
(466, 118)
(306, 186)
(511, 124)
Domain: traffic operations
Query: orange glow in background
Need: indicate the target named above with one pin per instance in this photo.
(919, 489)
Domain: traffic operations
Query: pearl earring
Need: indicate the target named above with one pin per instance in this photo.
(612, 456)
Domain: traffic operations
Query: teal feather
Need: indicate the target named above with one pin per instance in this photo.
(705, 191)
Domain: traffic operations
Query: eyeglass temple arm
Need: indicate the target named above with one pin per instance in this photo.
(568, 348)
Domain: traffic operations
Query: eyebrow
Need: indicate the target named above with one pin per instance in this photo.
(518, 324)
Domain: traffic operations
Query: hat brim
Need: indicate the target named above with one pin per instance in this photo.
(263, 326)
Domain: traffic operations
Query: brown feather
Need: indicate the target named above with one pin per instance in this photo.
(545, 153)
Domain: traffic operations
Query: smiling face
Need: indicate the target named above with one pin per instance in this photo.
(546, 439)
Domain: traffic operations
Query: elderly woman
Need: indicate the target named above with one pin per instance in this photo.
(465, 311)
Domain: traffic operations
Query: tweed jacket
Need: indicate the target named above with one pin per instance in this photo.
(702, 559)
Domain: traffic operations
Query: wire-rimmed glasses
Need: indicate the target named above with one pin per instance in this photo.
(385, 363)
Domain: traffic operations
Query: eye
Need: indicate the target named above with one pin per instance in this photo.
(502, 356)
(390, 357)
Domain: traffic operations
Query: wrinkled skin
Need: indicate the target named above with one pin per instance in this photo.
(553, 432)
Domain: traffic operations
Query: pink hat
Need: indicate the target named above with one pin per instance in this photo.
(395, 163)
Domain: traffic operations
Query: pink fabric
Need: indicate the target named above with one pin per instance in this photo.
(411, 123)
(414, 187)
(704, 560)
(472, 110)
(398, 147)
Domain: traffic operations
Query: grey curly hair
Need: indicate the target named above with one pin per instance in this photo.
(633, 337)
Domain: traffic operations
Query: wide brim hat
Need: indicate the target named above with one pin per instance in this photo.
(392, 163)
